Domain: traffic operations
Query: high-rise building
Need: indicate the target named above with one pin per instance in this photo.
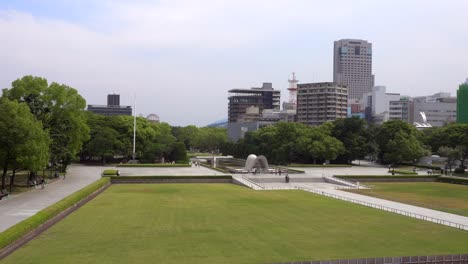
(318, 103)
(352, 66)
(264, 97)
(462, 103)
(113, 107)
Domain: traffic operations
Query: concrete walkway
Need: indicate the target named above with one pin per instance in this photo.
(430, 215)
(19, 207)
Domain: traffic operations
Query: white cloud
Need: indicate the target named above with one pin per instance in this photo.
(182, 56)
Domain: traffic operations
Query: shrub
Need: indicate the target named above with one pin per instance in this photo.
(163, 165)
(406, 172)
(110, 173)
(454, 180)
(460, 170)
(22, 228)
(385, 176)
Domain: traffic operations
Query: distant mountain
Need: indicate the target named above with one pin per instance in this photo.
(220, 123)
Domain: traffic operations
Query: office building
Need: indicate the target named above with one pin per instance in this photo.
(462, 103)
(352, 66)
(439, 109)
(401, 110)
(318, 103)
(264, 97)
(113, 107)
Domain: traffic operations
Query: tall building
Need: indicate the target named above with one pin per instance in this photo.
(264, 97)
(352, 66)
(113, 107)
(318, 103)
(462, 103)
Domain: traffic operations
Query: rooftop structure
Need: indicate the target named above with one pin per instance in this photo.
(113, 107)
(462, 103)
(264, 97)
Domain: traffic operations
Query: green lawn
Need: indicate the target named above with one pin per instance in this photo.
(452, 198)
(225, 223)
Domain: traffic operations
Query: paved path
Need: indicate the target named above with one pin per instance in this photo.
(151, 171)
(424, 213)
(21, 206)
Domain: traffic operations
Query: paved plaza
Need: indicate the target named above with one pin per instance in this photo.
(164, 171)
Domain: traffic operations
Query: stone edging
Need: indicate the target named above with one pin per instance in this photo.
(4, 252)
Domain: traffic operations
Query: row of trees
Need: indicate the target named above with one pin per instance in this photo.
(342, 141)
(113, 137)
(40, 124)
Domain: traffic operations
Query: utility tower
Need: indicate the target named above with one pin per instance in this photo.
(293, 90)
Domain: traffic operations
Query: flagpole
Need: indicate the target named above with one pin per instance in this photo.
(134, 127)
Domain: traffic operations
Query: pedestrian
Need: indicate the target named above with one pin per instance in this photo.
(279, 172)
(42, 183)
(286, 178)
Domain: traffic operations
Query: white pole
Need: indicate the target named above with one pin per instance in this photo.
(134, 127)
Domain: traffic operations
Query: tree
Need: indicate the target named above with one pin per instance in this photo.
(23, 143)
(399, 141)
(454, 136)
(352, 132)
(60, 109)
(179, 153)
(104, 143)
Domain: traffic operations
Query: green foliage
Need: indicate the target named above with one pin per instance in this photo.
(179, 153)
(155, 165)
(60, 109)
(23, 142)
(407, 172)
(112, 136)
(19, 230)
(399, 142)
(285, 143)
(216, 169)
(205, 139)
(454, 180)
(354, 135)
(110, 172)
(451, 141)
(168, 177)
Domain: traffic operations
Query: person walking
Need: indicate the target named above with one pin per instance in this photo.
(286, 178)
(42, 183)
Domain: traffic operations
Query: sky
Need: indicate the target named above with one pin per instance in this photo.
(180, 57)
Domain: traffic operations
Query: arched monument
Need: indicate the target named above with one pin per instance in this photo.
(260, 163)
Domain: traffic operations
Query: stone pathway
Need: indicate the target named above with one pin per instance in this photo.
(19, 207)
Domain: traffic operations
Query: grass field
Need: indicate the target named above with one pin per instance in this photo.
(451, 198)
(225, 223)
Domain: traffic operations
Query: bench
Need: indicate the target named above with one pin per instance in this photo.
(4, 193)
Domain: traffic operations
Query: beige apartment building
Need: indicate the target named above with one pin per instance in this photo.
(318, 103)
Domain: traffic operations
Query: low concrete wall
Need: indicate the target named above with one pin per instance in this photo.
(389, 179)
(439, 259)
(280, 179)
(31, 235)
(174, 180)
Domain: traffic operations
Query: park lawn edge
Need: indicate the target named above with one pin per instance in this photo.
(453, 180)
(216, 169)
(22, 228)
(166, 177)
(153, 165)
(294, 165)
(404, 176)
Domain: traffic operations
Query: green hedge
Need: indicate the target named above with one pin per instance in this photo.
(434, 167)
(156, 165)
(385, 176)
(110, 172)
(406, 172)
(216, 169)
(19, 230)
(164, 177)
(455, 180)
(294, 170)
(319, 165)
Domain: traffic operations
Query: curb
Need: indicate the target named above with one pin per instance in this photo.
(4, 252)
